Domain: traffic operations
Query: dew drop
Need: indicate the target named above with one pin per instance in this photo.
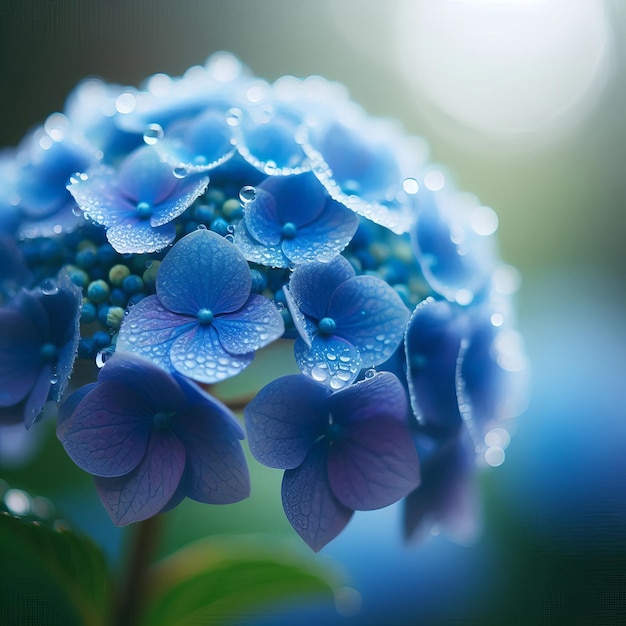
(247, 194)
(270, 167)
(370, 373)
(319, 373)
(152, 134)
(202, 227)
(181, 171)
(54, 379)
(280, 306)
(229, 237)
(49, 287)
(233, 117)
(102, 357)
(410, 186)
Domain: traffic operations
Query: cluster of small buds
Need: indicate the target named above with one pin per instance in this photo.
(182, 227)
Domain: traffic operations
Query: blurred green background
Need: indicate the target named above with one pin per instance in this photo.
(523, 102)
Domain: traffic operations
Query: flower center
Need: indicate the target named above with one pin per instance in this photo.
(48, 352)
(161, 420)
(143, 211)
(289, 230)
(333, 431)
(326, 326)
(205, 316)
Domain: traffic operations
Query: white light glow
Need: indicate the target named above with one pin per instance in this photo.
(504, 66)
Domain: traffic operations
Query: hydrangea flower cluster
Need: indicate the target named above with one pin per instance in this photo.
(182, 227)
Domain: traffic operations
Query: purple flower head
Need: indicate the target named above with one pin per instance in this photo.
(342, 451)
(138, 202)
(453, 245)
(346, 322)
(203, 322)
(38, 342)
(151, 439)
(292, 220)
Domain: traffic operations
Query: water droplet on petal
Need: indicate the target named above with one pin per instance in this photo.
(410, 186)
(270, 167)
(49, 287)
(229, 237)
(320, 372)
(152, 134)
(102, 357)
(370, 373)
(247, 194)
(233, 117)
(280, 306)
(202, 227)
(181, 171)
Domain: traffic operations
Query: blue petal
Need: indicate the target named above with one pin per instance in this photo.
(186, 192)
(38, 395)
(108, 432)
(332, 361)
(371, 315)
(145, 177)
(216, 471)
(69, 404)
(20, 343)
(203, 270)
(312, 285)
(381, 396)
(305, 327)
(432, 344)
(199, 355)
(147, 489)
(374, 464)
(149, 330)
(324, 238)
(285, 419)
(138, 237)
(261, 217)
(253, 326)
(270, 256)
(311, 508)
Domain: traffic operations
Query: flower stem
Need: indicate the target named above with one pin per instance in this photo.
(133, 585)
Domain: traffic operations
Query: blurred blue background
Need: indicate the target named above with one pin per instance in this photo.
(523, 101)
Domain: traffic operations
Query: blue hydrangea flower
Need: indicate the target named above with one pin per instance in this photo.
(342, 451)
(464, 367)
(138, 202)
(292, 220)
(14, 273)
(446, 501)
(453, 245)
(203, 322)
(39, 332)
(151, 439)
(346, 322)
(364, 163)
(48, 157)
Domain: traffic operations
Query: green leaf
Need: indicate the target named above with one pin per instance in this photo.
(226, 579)
(50, 576)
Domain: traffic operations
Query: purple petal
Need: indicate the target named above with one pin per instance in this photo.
(373, 464)
(332, 361)
(216, 471)
(270, 256)
(432, 345)
(20, 344)
(324, 238)
(311, 508)
(253, 326)
(108, 432)
(69, 405)
(381, 396)
(199, 355)
(285, 419)
(147, 489)
(149, 330)
(203, 271)
(371, 315)
(313, 284)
